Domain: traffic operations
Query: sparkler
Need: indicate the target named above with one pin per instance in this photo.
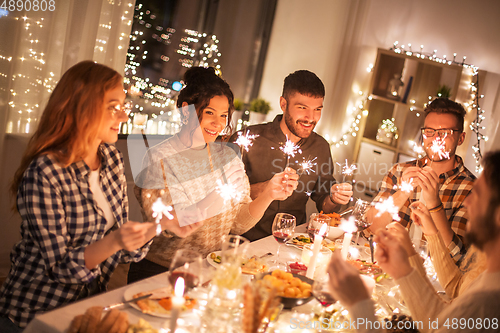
(227, 191)
(290, 149)
(307, 165)
(159, 209)
(245, 141)
(387, 206)
(347, 170)
(406, 186)
(438, 147)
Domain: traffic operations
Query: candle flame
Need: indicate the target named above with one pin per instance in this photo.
(349, 225)
(245, 140)
(179, 287)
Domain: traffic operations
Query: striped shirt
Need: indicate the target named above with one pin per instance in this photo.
(456, 185)
(60, 218)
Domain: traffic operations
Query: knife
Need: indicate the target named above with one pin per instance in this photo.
(112, 306)
(371, 247)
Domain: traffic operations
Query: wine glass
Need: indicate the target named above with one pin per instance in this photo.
(188, 265)
(421, 248)
(283, 229)
(321, 291)
(316, 221)
(360, 218)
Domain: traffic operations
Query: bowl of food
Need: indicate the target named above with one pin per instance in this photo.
(294, 289)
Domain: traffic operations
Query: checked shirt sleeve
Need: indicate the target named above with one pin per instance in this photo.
(387, 186)
(458, 221)
(41, 205)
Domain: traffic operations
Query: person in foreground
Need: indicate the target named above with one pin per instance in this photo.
(72, 198)
(302, 104)
(442, 182)
(187, 170)
(480, 302)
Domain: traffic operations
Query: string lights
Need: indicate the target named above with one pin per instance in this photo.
(357, 112)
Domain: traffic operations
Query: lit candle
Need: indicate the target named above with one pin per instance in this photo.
(318, 239)
(349, 227)
(177, 303)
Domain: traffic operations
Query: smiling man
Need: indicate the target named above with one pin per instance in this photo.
(302, 104)
(442, 182)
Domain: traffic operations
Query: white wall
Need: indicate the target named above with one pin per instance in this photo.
(338, 39)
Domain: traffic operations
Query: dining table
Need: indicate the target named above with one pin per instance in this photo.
(59, 320)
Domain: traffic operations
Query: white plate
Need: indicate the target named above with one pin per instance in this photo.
(211, 261)
(300, 246)
(215, 264)
(134, 290)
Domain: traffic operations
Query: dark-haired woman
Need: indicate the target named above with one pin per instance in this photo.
(187, 169)
(72, 198)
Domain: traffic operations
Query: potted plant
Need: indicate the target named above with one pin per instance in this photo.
(259, 108)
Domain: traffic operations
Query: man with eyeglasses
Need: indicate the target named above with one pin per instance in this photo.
(440, 179)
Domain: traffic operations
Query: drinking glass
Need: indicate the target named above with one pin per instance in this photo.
(360, 218)
(283, 229)
(228, 274)
(316, 221)
(421, 248)
(188, 265)
(321, 291)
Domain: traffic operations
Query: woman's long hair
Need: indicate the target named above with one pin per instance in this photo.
(72, 117)
(201, 85)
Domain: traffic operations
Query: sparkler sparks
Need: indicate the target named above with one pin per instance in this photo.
(349, 225)
(227, 191)
(438, 147)
(245, 140)
(406, 186)
(290, 149)
(348, 170)
(387, 206)
(159, 209)
(307, 165)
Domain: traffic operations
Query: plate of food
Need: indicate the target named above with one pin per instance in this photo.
(252, 265)
(160, 302)
(301, 240)
(294, 289)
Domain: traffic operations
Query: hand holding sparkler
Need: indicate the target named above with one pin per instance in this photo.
(282, 185)
(341, 193)
(428, 180)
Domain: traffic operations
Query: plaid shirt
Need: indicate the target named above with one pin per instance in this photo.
(60, 218)
(456, 185)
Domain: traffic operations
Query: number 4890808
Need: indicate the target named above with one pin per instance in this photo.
(28, 5)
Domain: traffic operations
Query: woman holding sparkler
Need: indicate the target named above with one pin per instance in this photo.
(202, 179)
(72, 198)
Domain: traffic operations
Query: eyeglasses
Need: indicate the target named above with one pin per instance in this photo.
(442, 132)
(116, 109)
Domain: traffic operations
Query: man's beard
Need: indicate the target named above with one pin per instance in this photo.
(294, 126)
(484, 229)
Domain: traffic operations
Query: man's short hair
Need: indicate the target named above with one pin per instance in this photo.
(443, 105)
(491, 165)
(303, 82)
